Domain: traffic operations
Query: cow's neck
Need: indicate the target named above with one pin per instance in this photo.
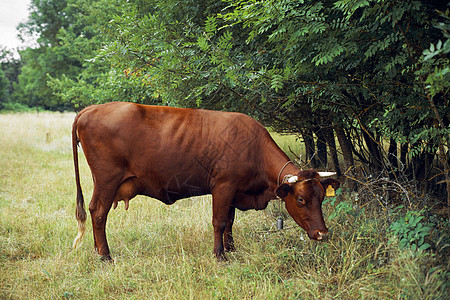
(278, 165)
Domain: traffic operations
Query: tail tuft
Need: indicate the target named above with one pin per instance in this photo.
(81, 229)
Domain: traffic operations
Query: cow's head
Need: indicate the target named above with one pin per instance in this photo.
(303, 196)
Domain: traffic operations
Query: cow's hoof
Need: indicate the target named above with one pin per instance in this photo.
(106, 258)
(221, 257)
(230, 248)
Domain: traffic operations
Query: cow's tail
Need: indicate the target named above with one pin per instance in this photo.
(80, 212)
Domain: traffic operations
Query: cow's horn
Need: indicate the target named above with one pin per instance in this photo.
(292, 179)
(326, 174)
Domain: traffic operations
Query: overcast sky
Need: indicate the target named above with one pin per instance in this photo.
(12, 12)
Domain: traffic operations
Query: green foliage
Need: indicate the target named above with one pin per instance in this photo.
(9, 71)
(341, 207)
(411, 231)
(15, 107)
(69, 32)
(4, 88)
(436, 61)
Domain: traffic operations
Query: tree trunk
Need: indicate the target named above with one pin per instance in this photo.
(403, 156)
(375, 155)
(331, 143)
(346, 148)
(321, 148)
(393, 159)
(446, 141)
(310, 147)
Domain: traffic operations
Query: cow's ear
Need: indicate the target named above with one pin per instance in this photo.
(283, 190)
(330, 185)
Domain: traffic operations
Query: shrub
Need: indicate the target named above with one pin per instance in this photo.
(15, 107)
(411, 232)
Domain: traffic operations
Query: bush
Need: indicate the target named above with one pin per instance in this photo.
(15, 107)
(411, 232)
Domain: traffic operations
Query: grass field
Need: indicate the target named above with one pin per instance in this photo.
(165, 252)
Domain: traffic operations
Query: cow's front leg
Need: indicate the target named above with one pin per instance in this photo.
(221, 208)
(228, 233)
(219, 227)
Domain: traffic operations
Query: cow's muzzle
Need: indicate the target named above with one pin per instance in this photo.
(319, 235)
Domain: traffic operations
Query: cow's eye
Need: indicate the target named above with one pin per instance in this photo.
(301, 201)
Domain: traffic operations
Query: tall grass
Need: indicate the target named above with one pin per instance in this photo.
(165, 252)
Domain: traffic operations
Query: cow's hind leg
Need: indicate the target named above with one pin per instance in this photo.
(99, 207)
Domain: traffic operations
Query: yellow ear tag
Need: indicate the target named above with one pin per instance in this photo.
(330, 191)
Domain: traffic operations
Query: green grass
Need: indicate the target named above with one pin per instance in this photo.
(290, 144)
(165, 252)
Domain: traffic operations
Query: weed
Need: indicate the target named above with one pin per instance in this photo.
(411, 231)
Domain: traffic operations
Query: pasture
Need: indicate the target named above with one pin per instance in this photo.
(165, 252)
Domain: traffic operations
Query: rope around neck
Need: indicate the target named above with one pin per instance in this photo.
(281, 171)
(280, 214)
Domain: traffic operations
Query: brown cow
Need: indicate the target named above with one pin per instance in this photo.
(173, 153)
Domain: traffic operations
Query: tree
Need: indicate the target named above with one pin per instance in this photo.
(435, 67)
(148, 48)
(9, 72)
(69, 32)
(4, 89)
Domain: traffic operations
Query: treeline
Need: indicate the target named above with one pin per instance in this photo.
(364, 84)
